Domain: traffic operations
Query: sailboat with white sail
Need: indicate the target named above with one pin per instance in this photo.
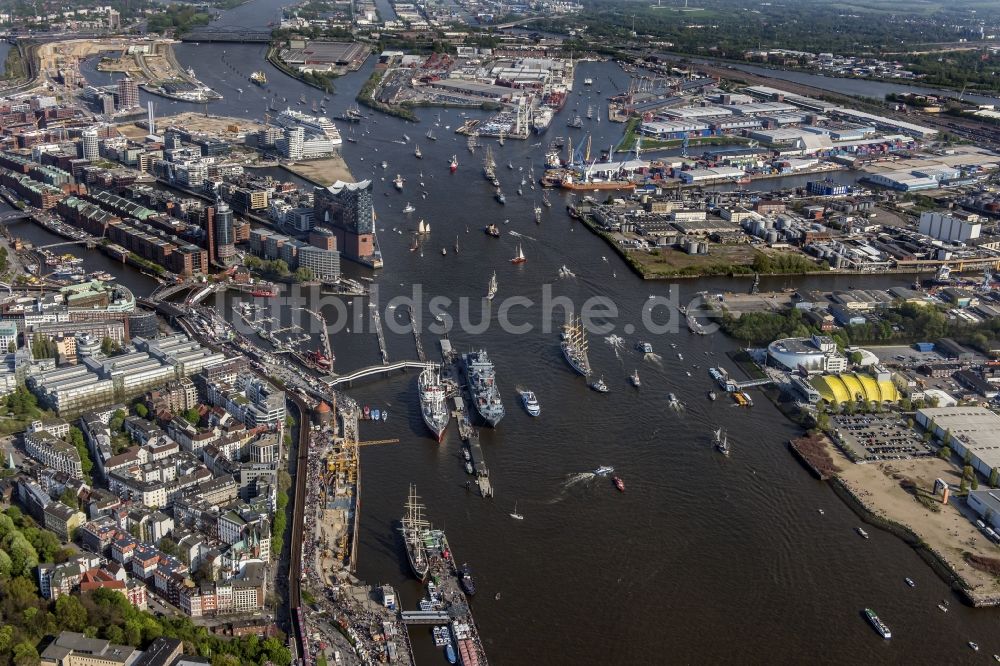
(491, 290)
(514, 514)
(721, 441)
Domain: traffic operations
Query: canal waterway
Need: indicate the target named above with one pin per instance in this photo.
(703, 559)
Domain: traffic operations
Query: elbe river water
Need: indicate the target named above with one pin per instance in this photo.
(703, 559)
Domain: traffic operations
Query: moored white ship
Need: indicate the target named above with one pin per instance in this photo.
(433, 400)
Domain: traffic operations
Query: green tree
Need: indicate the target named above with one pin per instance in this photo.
(944, 453)
(141, 410)
(117, 423)
(25, 654)
(69, 498)
(192, 416)
(168, 546)
(994, 477)
(967, 458)
(109, 346)
(856, 357)
(76, 439)
(946, 439)
(70, 613)
(967, 472)
(975, 482)
(304, 274)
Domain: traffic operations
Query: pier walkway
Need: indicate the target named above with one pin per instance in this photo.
(750, 383)
(426, 617)
(372, 371)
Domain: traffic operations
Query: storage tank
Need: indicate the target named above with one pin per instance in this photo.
(772, 237)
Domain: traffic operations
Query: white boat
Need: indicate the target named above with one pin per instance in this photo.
(417, 153)
(636, 382)
(861, 532)
(565, 272)
(491, 290)
(599, 385)
(408, 208)
(721, 441)
(514, 514)
(530, 403)
(398, 182)
(385, 165)
(423, 228)
(604, 470)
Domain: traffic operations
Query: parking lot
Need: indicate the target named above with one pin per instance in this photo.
(879, 437)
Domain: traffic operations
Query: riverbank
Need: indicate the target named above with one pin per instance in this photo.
(888, 492)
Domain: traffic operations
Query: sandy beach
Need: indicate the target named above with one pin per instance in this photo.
(948, 532)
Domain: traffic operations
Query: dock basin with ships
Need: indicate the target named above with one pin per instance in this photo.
(470, 436)
(446, 606)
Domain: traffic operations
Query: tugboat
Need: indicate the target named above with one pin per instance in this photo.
(493, 231)
(712, 396)
(453, 164)
(599, 385)
(259, 77)
(499, 196)
(619, 484)
(468, 584)
(635, 379)
(644, 347)
(398, 182)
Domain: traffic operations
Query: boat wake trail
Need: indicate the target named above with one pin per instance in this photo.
(616, 342)
(580, 479)
(520, 235)
(654, 358)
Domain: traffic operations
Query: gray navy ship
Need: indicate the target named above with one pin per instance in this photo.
(481, 375)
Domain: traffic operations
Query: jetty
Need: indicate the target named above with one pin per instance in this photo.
(458, 393)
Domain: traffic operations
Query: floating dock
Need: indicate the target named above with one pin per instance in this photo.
(470, 436)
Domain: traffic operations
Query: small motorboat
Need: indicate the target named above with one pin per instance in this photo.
(408, 208)
(599, 385)
(604, 470)
(468, 467)
(861, 532)
(942, 608)
(644, 347)
(636, 382)
(619, 484)
(712, 395)
(909, 581)
(974, 645)
(449, 652)
(376, 415)
(444, 251)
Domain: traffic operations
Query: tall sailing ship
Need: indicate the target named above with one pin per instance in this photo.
(482, 380)
(414, 527)
(574, 347)
(433, 400)
(489, 166)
